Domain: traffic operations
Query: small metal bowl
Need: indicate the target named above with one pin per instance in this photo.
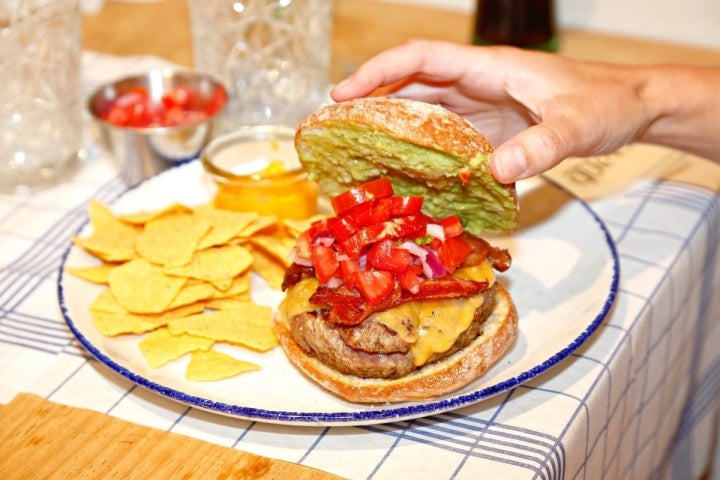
(256, 169)
(144, 151)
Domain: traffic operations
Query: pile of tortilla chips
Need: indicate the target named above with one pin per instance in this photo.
(181, 277)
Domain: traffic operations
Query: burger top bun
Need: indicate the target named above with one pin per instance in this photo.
(423, 149)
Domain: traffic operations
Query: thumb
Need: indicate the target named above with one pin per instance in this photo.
(530, 152)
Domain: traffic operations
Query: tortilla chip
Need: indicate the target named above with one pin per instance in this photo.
(97, 274)
(250, 326)
(160, 346)
(233, 303)
(192, 293)
(216, 264)
(260, 224)
(277, 246)
(141, 287)
(269, 268)
(112, 322)
(213, 365)
(226, 225)
(171, 239)
(106, 302)
(111, 239)
(142, 218)
(240, 284)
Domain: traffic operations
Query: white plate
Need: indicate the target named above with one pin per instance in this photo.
(563, 279)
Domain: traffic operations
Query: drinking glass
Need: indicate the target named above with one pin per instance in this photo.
(272, 55)
(40, 94)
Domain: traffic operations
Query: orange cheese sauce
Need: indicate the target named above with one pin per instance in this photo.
(264, 177)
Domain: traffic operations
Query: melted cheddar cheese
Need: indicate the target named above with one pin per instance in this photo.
(297, 300)
(428, 326)
(432, 326)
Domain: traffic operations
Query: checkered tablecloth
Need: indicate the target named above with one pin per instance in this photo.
(639, 400)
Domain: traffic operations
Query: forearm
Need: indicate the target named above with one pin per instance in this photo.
(685, 101)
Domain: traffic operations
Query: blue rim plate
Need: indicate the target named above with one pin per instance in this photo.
(564, 279)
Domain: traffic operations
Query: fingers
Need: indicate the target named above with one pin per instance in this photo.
(435, 60)
(530, 153)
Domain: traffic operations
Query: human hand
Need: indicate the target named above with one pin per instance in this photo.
(537, 108)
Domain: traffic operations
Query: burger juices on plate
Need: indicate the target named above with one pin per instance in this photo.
(394, 298)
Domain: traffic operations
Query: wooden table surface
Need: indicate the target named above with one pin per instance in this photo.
(361, 29)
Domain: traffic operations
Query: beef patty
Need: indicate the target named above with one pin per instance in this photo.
(370, 349)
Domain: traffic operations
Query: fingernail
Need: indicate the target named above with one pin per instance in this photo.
(510, 163)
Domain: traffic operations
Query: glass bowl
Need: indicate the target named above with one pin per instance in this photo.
(256, 169)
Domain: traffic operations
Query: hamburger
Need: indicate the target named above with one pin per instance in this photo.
(395, 297)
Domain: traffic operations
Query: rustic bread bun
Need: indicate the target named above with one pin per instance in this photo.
(420, 147)
(435, 379)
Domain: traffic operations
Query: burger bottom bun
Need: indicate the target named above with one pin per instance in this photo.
(445, 376)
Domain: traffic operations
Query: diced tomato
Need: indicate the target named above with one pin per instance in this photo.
(375, 285)
(378, 188)
(177, 97)
(453, 252)
(464, 174)
(382, 210)
(325, 262)
(370, 212)
(178, 106)
(319, 228)
(406, 205)
(356, 243)
(385, 256)
(349, 269)
(342, 227)
(217, 101)
(409, 226)
(360, 215)
(410, 279)
(136, 95)
(452, 226)
(302, 245)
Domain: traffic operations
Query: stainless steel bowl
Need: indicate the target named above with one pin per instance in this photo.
(142, 152)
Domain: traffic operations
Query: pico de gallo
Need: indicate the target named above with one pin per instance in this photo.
(380, 250)
(179, 105)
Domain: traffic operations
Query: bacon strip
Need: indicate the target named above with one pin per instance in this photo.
(342, 306)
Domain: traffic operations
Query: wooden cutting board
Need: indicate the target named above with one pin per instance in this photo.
(40, 439)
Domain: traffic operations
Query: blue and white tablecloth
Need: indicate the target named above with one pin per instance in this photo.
(639, 400)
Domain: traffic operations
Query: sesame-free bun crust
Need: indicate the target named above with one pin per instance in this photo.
(448, 375)
(422, 148)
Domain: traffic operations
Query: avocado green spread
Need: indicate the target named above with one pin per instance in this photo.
(341, 156)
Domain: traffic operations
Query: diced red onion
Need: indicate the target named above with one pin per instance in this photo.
(413, 248)
(325, 241)
(304, 262)
(436, 230)
(362, 262)
(295, 258)
(433, 267)
(334, 282)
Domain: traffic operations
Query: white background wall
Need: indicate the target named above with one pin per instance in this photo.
(694, 22)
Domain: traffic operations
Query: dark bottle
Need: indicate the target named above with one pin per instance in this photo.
(522, 23)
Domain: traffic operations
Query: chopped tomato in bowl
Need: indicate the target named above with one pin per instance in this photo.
(157, 119)
(159, 98)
